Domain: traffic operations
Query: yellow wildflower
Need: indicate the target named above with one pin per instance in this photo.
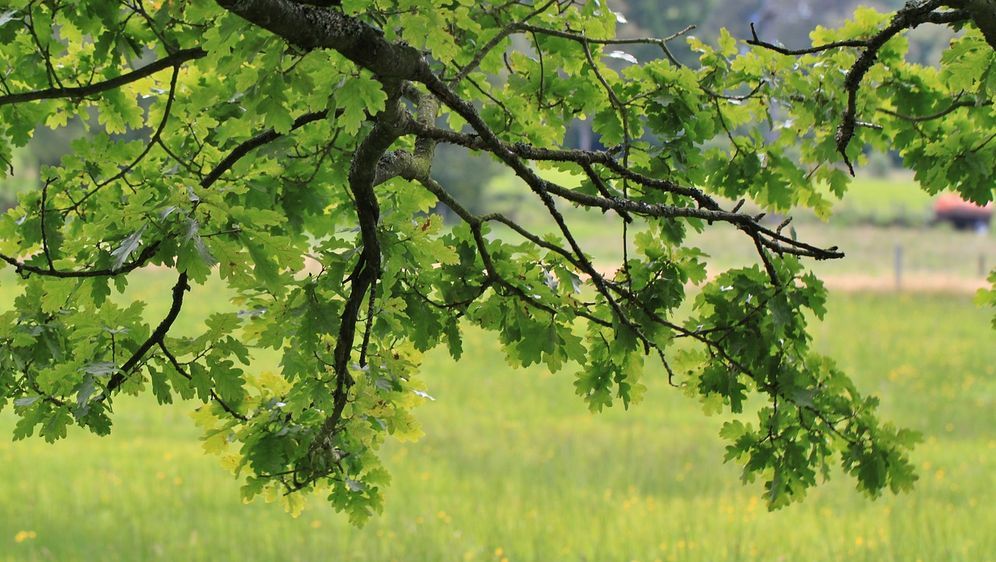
(22, 536)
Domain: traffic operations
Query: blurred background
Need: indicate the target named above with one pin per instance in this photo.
(513, 467)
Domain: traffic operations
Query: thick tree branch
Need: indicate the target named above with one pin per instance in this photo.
(311, 27)
(982, 12)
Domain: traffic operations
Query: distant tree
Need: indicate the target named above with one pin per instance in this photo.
(281, 131)
(466, 175)
(652, 18)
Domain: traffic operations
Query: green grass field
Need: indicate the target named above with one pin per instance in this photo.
(892, 198)
(514, 467)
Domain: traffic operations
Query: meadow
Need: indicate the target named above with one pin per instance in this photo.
(513, 467)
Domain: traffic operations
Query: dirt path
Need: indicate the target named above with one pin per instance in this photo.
(921, 283)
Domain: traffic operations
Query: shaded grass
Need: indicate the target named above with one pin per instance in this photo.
(513, 466)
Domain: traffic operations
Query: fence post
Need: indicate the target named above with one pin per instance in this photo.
(898, 266)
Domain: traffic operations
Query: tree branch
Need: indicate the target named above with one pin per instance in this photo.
(362, 174)
(257, 141)
(154, 339)
(183, 373)
(910, 16)
(142, 258)
(982, 12)
(311, 27)
(79, 92)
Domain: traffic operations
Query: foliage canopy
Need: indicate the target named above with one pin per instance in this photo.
(286, 150)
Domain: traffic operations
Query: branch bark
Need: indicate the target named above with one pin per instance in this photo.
(983, 13)
(311, 27)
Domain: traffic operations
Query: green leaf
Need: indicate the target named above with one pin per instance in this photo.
(727, 43)
(358, 96)
(122, 253)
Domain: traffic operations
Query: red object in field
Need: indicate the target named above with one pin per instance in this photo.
(960, 213)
